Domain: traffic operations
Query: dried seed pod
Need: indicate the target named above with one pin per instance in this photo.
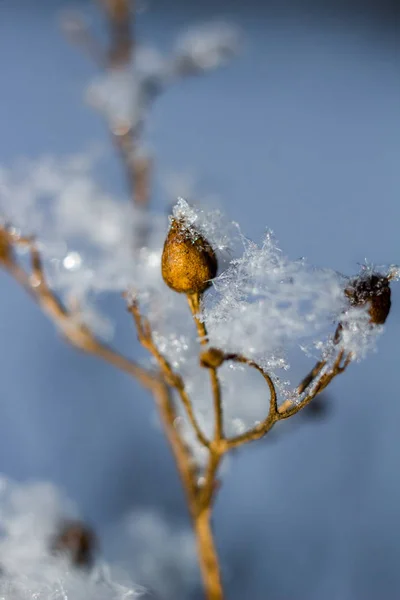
(76, 541)
(373, 290)
(188, 262)
(212, 358)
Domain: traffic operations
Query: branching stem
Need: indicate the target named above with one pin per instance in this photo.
(199, 497)
(200, 491)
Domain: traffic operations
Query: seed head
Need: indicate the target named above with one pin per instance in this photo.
(373, 290)
(188, 262)
(76, 541)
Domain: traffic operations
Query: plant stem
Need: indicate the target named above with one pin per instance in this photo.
(208, 558)
(194, 305)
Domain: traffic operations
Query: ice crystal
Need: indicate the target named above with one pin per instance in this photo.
(264, 303)
(86, 236)
(207, 46)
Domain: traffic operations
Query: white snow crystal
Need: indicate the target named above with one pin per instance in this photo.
(207, 46)
(264, 303)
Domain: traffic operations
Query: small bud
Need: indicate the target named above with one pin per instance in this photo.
(374, 290)
(212, 358)
(188, 261)
(77, 542)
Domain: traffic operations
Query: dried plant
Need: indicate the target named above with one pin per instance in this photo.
(245, 311)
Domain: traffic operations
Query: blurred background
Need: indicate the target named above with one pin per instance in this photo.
(301, 133)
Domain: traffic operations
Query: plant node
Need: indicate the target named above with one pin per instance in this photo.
(212, 358)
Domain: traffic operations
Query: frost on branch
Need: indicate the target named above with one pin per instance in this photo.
(262, 304)
(30, 516)
(206, 47)
(85, 235)
(125, 94)
(265, 306)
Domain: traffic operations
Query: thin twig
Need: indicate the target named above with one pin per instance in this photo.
(182, 455)
(194, 304)
(261, 429)
(308, 379)
(120, 15)
(173, 379)
(317, 385)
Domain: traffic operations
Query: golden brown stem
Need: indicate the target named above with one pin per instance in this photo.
(262, 428)
(173, 379)
(317, 380)
(308, 379)
(194, 304)
(208, 558)
(207, 555)
(137, 167)
(290, 408)
(199, 500)
(120, 15)
(181, 454)
(217, 451)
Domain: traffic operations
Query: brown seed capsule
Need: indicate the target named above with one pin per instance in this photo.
(188, 262)
(212, 358)
(77, 542)
(374, 290)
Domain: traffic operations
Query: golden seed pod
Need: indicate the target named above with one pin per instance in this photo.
(212, 358)
(374, 290)
(76, 541)
(188, 262)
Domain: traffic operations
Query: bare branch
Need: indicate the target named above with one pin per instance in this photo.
(290, 408)
(172, 379)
